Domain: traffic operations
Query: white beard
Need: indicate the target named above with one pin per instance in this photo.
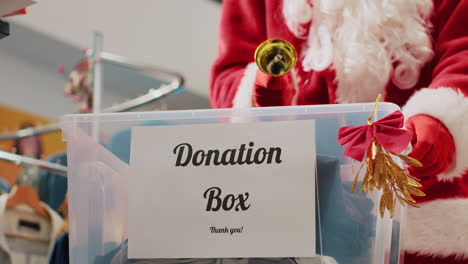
(362, 40)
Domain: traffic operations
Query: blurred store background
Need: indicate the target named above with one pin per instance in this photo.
(179, 35)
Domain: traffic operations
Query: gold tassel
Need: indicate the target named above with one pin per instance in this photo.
(384, 174)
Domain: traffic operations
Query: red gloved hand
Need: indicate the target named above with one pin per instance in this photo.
(272, 91)
(433, 145)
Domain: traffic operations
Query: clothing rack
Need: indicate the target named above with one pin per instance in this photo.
(153, 94)
(23, 160)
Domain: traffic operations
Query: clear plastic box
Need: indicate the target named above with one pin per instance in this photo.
(349, 228)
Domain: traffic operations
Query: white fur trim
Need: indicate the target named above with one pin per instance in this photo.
(437, 228)
(360, 41)
(244, 93)
(451, 108)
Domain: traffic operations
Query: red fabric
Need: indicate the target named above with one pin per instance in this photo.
(272, 91)
(450, 64)
(414, 258)
(435, 189)
(246, 23)
(242, 30)
(433, 145)
(387, 132)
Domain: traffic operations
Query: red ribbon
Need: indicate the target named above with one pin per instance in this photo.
(387, 132)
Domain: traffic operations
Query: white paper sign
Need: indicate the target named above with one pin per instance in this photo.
(222, 191)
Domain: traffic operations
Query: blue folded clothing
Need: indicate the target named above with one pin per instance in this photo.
(345, 225)
(345, 221)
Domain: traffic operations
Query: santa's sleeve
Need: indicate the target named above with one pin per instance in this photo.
(439, 227)
(446, 96)
(242, 29)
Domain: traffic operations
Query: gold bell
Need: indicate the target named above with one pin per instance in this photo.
(275, 57)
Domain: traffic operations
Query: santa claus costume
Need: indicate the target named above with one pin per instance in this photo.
(414, 52)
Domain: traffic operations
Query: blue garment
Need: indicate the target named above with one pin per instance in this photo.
(395, 245)
(347, 227)
(119, 144)
(4, 186)
(345, 221)
(53, 187)
(60, 252)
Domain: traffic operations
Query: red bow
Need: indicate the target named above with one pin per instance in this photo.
(387, 132)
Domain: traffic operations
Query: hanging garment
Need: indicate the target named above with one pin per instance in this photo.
(12, 120)
(15, 250)
(4, 186)
(347, 227)
(60, 253)
(53, 187)
(29, 175)
(346, 222)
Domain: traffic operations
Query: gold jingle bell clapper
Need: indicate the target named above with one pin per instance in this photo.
(275, 57)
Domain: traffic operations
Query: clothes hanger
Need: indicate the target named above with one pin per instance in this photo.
(153, 95)
(16, 235)
(26, 195)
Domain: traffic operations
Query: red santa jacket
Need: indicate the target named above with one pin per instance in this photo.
(440, 227)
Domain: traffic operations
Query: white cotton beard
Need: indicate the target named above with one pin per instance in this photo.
(362, 40)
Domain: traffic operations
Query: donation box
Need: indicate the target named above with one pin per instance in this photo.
(257, 185)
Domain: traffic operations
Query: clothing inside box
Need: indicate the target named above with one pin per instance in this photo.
(346, 223)
(27, 237)
(346, 227)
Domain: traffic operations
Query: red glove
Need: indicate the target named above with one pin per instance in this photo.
(272, 91)
(433, 145)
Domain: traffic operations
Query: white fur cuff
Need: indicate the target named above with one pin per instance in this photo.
(451, 108)
(243, 97)
(437, 228)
